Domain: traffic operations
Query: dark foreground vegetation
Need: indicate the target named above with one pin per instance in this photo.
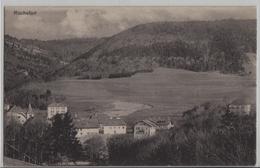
(213, 136)
(205, 135)
(42, 143)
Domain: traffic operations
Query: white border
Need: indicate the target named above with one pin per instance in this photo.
(1, 85)
(257, 90)
(129, 3)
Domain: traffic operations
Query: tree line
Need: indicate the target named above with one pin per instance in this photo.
(212, 136)
(45, 143)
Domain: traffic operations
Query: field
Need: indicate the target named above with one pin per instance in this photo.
(164, 92)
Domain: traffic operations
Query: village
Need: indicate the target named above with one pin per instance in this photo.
(89, 127)
(106, 126)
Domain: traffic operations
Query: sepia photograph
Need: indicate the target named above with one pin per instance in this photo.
(129, 86)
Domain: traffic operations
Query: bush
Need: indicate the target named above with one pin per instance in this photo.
(96, 150)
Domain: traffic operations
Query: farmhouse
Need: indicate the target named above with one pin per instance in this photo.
(113, 126)
(87, 127)
(144, 128)
(148, 127)
(56, 108)
(240, 106)
(163, 124)
(19, 114)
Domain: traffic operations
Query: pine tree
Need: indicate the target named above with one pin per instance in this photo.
(62, 141)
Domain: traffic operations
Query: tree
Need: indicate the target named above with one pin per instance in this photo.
(62, 141)
(225, 51)
(25, 142)
(96, 149)
(32, 142)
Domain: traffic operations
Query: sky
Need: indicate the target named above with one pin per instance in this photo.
(49, 23)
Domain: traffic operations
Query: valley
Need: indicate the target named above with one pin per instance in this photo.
(164, 92)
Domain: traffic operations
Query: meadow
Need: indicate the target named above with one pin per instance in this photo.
(164, 92)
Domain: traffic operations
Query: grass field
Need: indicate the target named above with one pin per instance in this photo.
(162, 92)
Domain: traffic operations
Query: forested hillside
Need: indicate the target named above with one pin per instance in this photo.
(23, 63)
(196, 45)
(28, 59)
(66, 49)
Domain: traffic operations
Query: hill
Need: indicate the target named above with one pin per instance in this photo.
(23, 63)
(28, 59)
(65, 49)
(194, 45)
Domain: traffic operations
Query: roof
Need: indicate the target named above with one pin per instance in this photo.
(17, 109)
(149, 123)
(162, 122)
(87, 123)
(57, 105)
(241, 101)
(112, 122)
(12, 114)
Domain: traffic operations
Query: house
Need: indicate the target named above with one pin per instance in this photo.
(113, 126)
(86, 127)
(240, 106)
(56, 108)
(145, 128)
(163, 124)
(19, 114)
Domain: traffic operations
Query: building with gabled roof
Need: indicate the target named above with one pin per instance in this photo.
(240, 106)
(162, 124)
(86, 128)
(56, 108)
(113, 126)
(18, 114)
(145, 128)
(148, 127)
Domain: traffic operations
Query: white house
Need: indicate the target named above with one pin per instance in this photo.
(113, 126)
(86, 128)
(19, 114)
(145, 128)
(240, 106)
(56, 108)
